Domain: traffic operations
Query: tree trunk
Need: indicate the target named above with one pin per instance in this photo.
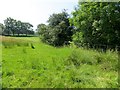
(13, 33)
(8, 33)
(26, 33)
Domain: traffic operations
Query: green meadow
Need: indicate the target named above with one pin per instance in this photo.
(29, 63)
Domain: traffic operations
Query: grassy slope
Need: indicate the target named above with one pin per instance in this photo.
(47, 66)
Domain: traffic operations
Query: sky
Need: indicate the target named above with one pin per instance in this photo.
(34, 11)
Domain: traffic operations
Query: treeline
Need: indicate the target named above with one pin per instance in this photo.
(91, 24)
(16, 27)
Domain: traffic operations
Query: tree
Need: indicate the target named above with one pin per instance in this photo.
(98, 23)
(2, 27)
(10, 25)
(45, 33)
(7, 26)
(58, 32)
(18, 27)
(27, 27)
(41, 28)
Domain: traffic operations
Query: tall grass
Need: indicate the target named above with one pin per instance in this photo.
(10, 42)
(92, 57)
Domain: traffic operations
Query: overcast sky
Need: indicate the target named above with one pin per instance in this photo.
(33, 11)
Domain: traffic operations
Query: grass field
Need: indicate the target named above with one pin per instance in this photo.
(49, 67)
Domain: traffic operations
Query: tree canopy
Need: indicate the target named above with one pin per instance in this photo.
(58, 32)
(97, 23)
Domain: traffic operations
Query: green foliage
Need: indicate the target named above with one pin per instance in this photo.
(56, 19)
(98, 23)
(17, 27)
(51, 67)
(2, 27)
(78, 39)
(58, 32)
